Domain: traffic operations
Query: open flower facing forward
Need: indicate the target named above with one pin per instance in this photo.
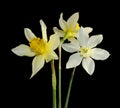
(69, 27)
(41, 48)
(84, 50)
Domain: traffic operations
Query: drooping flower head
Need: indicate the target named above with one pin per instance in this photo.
(69, 27)
(41, 48)
(84, 49)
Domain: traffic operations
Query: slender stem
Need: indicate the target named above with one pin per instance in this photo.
(69, 89)
(59, 74)
(53, 84)
(59, 80)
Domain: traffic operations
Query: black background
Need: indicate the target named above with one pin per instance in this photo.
(18, 90)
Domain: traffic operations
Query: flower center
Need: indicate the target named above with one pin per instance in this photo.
(72, 32)
(39, 46)
(77, 27)
(85, 52)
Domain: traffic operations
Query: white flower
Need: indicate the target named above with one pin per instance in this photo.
(42, 49)
(85, 50)
(69, 27)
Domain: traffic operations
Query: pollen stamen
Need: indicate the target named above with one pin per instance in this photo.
(39, 46)
(85, 52)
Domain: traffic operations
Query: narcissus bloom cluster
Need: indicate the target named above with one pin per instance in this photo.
(80, 44)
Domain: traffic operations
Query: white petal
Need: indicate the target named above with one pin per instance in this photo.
(88, 29)
(89, 65)
(60, 33)
(94, 40)
(71, 47)
(54, 41)
(72, 21)
(51, 56)
(74, 60)
(100, 54)
(75, 42)
(23, 50)
(44, 31)
(37, 64)
(62, 22)
(29, 34)
(82, 36)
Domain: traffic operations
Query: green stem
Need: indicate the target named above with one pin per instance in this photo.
(53, 84)
(59, 80)
(69, 89)
(59, 74)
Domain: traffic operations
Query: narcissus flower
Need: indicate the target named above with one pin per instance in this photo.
(84, 50)
(41, 48)
(69, 27)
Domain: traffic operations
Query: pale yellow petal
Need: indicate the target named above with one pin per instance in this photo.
(51, 56)
(29, 34)
(54, 41)
(23, 50)
(44, 30)
(62, 23)
(58, 32)
(72, 21)
(37, 64)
